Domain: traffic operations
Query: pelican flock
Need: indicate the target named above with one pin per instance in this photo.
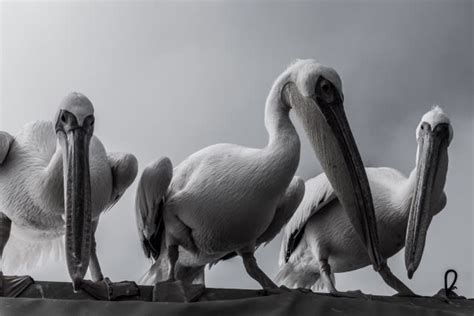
(56, 179)
(227, 198)
(319, 240)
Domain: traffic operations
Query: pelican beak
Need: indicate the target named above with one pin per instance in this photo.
(75, 139)
(433, 146)
(328, 130)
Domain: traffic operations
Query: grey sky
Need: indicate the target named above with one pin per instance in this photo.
(171, 78)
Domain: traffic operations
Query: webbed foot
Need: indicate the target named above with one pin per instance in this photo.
(109, 291)
(13, 286)
(350, 294)
(274, 291)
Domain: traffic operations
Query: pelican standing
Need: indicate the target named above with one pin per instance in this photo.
(319, 240)
(227, 198)
(55, 180)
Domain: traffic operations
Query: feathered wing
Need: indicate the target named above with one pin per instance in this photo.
(124, 169)
(318, 193)
(286, 208)
(151, 193)
(5, 142)
(299, 270)
(289, 203)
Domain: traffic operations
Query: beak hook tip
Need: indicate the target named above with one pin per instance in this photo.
(411, 271)
(76, 284)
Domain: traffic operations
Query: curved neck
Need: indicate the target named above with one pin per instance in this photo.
(277, 115)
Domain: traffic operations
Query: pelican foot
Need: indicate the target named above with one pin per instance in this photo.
(13, 286)
(109, 291)
(274, 291)
(351, 294)
(177, 291)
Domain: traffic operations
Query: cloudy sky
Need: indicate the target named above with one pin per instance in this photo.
(171, 78)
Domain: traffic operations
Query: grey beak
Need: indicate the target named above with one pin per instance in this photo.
(77, 196)
(432, 143)
(359, 196)
(328, 130)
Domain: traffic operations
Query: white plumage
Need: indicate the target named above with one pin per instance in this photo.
(227, 199)
(320, 231)
(32, 189)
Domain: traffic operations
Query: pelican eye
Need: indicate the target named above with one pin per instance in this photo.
(326, 87)
(63, 117)
(325, 90)
(89, 122)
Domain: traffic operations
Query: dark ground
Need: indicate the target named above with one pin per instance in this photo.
(57, 298)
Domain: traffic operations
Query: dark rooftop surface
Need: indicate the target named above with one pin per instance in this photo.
(57, 298)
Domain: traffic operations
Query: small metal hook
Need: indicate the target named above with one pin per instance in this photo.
(452, 287)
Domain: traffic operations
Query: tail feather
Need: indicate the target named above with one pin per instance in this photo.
(294, 276)
(22, 255)
(157, 273)
(149, 202)
(320, 286)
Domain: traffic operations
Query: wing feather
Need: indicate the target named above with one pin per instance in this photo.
(318, 193)
(5, 142)
(149, 202)
(124, 169)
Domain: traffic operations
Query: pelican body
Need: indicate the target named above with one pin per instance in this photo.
(319, 240)
(33, 199)
(227, 199)
(56, 179)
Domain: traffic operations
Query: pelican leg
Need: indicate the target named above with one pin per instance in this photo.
(177, 234)
(173, 255)
(328, 281)
(393, 281)
(176, 289)
(10, 286)
(94, 267)
(102, 288)
(194, 275)
(325, 272)
(252, 268)
(255, 272)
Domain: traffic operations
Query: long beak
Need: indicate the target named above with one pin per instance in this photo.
(77, 203)
(432, 148)
(330, 135)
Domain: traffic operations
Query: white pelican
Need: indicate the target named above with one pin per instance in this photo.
(55, 180)
(225, 198)
(319, 239)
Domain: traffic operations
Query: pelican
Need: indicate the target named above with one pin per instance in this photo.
(227, 198)
(319, 240)
(56, 179)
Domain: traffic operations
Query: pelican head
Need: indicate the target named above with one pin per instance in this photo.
(433, 134)
(315, 93)
(74, 125)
